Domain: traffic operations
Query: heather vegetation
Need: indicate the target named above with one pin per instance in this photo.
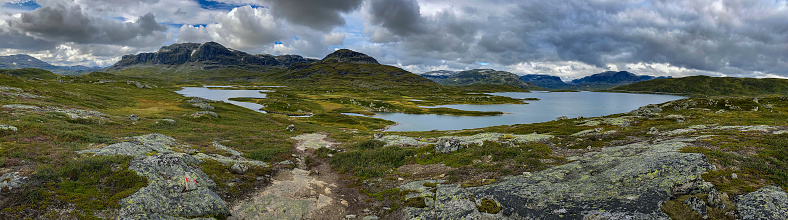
(79, 147)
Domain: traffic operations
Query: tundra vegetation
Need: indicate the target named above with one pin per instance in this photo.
(743, 134)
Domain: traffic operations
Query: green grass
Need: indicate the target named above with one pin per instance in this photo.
(89, 183)
(370, 163)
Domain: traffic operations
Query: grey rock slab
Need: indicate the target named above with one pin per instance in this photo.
(623, 182)
(169, 192)
(10, 181)
(769, 202)
(138, 146)
(225, 148)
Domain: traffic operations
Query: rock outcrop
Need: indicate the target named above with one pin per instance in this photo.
(176, 187)
(624, 182)
(769, 202)
(479, 139)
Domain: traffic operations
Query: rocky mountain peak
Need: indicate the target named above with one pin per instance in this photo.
(349, 56)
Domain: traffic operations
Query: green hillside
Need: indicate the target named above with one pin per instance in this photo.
(710, 86)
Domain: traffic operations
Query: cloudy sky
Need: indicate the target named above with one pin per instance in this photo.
(566, 38)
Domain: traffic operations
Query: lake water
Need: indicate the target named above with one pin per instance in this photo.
(225, 95)
(551, 106)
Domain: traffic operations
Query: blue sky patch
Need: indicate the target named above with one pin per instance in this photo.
(26, 5)
(214, 5)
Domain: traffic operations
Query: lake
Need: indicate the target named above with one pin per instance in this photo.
(225, 95)
(551, 106)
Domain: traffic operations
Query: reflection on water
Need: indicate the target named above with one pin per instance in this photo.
(225, 95)
(551, 106)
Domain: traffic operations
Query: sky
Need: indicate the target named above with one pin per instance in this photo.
(566, 38)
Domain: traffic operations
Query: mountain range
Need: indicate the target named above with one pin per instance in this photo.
(208, 55)
(198, 61)
(22, 61)
(599, 81)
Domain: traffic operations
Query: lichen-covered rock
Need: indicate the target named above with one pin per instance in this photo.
(199, 100)
(17, 92)
(7, 128)
(168, 121)
(646, 111)
(239, 168)
(398, 140)
(714, 199)
(479, 139)
(653, 131)
(203, 106)
(230, 160)
(447, 145)
(137, 146)
(623, 121)
(769, 202)
(71, 113)
(174, 188)
(10, 181)
(623, 182)
(232, 152)
(205, 114)
(696, 204)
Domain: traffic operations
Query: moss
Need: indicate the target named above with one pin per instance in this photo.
(431, 184)
(475, 183)
(416, 202)
(489, 206)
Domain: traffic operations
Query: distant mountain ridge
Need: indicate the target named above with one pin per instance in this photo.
(710, 86)
(603, 80)
(22, 61)
(208, 55)
(546, 81)
(478, 77)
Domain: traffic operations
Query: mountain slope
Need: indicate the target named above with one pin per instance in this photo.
(545, 81)
(22, 61)
(479, 77)
(208, 55)
(346, 68)
(712, 86)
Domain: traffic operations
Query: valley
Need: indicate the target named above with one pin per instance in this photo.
(133, 142)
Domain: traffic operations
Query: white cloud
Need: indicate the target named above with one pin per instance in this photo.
(334, 38)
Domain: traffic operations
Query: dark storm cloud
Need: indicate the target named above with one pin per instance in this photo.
(732, 37)
(13, 40)
(402, 17)
(69, 24)
(318, 14)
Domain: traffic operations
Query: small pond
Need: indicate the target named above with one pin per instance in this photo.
(225, 95)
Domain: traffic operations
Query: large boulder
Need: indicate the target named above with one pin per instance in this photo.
(138, 146)
(174, 188)
(624, 182)
(769, 202)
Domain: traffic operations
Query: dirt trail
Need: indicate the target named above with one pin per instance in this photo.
(307, 193)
